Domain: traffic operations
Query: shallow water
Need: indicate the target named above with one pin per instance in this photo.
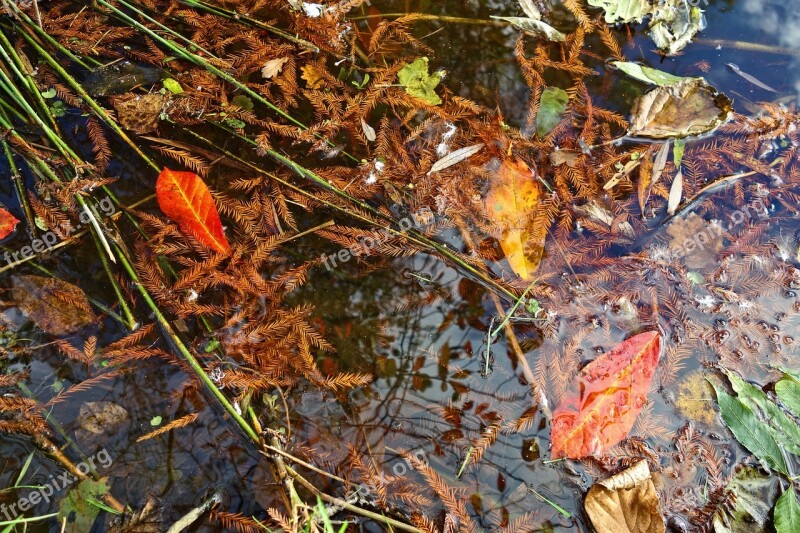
(420, 327)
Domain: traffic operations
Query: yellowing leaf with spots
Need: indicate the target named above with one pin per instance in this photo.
(185, 198)
(511, 207)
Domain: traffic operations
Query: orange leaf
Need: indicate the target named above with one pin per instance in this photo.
(605, 399)
(511, 206)
(7, 223)
(185, 198)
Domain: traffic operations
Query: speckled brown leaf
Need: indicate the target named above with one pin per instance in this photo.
(101, 417)
(140, 113)
(625, 503)
(57, 307)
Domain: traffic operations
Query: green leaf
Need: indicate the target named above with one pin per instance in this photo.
(677, 152)
(156, 421)
(647, 74)
(242, 102)
(788, 390)
(49, 93)
(552, 105)
(695, 277)
(235, 123)
(783, 428)
(754, 494)
(418, 83)
(623, 10)
(75, 506)
(173, 86)
(787, 513)
(750, 431)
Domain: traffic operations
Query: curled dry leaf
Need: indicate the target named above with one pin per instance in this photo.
(185, 198)
(688, 107)
(605, 398)
(626, 503)
(511, 207)
(369, 131)
(57, 307)
(455, 157)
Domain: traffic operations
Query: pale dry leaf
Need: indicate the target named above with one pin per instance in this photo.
(369, 131)
(455, 157)
(660, 162)
(273, 67)
(675, 193)
(631, 505)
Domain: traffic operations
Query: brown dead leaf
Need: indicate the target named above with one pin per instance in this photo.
(145, 520)
(314, 77)
(57, 307)
(689, 107)
(626, 503)
(511, 205)
(140, 113)
(273, 67)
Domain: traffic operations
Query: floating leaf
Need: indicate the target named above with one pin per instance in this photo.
(552, 105)
(273, 67)
(752, 79)
(788, 390)
(647, 74)
(688, 107)
(185, 198)
(76, 511)
(750, 431)
(8, 223)
(418, 83)
(605, 398)
(242, 101)
(530, 9)
(675, 193)
(625, 503)
(695, 395)
(674, 26)
(369, 131)
(787, 513)
(511, 205)
(313, 76)
(455, 157)
(173, 86)
(623, 10)
(535, 27)
(156, 420)
(660, 162)
(785, 430)
(57, 307)
(677, 152)
(49, 93)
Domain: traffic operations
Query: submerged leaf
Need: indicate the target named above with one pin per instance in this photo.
(626, 503)
(675, 193)
(689, 107)
(76, 510)
(185, 198)
(57, 307)
(140, 113)
(511, 204)
(605, 398)
(552, 105)
(417, 82)
(754, 493)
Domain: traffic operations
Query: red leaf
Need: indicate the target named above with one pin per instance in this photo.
(185, 198)
(605, 398)
(8, 223)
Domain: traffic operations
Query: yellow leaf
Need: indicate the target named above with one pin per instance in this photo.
(511, 206)
(314, 77)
